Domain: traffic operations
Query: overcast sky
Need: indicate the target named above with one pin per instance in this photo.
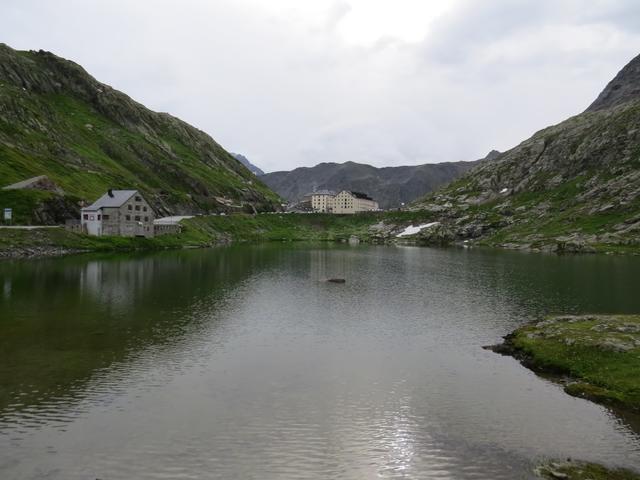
(293, 83)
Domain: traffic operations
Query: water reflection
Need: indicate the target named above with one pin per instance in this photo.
(243, 363)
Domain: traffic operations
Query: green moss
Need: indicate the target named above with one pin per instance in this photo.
(598, 351)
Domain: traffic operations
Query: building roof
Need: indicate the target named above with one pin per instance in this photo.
(41, 182)
(113, 198)
(361, 195)
(322, 192)
(364, 196)
(171, 220)
(25, 183)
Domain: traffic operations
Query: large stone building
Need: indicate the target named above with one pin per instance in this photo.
(123, 213)
(353, 202)
(322, 201)
(345, 202)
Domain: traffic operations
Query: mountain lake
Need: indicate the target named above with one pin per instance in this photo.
(243, 362)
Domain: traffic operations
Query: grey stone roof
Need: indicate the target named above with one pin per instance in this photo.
(116, 199)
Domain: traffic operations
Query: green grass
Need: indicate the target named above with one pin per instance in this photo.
(585, 471)
(23, 203)
(583, 350)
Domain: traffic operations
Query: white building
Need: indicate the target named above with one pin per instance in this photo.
(123, 213)
(322, 201)
(345, 202)
(348, 202)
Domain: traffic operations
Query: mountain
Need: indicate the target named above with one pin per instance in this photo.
(574, 186)
(86, 137)
(245, 161)
(389, 186)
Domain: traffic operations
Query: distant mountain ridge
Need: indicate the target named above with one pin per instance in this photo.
(574, 186)
(389, 186)
(57, 120)
(245, 161)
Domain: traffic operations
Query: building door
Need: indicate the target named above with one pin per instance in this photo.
(140, 229)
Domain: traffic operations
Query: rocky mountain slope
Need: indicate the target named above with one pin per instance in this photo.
(57, 120)
(390, 186)
(245, 161)
(574, 186)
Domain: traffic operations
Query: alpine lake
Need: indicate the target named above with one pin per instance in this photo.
(243, 362)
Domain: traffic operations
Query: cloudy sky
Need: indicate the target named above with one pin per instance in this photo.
(297, 82)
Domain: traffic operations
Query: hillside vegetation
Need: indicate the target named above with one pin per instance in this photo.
(57, 120)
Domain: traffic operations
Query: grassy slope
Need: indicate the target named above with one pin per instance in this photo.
(85, 152)
(583, 350)
(23, 203)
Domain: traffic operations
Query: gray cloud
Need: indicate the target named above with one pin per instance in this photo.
(281, 83)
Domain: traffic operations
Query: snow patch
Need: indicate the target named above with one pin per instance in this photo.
(411, 230)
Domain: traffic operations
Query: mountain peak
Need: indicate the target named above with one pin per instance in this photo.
(624, 87)
(245, 161)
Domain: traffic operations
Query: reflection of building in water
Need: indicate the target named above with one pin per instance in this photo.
(329, 263)
(117, 283)
(6, 288)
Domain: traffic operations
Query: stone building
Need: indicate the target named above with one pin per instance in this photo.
(123, 213)
(347, 202)
(322, 201)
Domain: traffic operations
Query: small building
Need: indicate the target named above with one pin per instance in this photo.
(169, 225)
(322, 201)
(122, 213)
(348, 202)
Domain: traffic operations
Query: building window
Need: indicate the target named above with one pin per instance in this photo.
(85, 216)
(146, 219)
(98, 217)
(144, 209)
(137, 218)
(137, 208)
(105, 217)
(138, 199)
(129, 207)
(128, 217)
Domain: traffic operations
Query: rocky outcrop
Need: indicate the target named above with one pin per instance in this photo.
(245, 161)
(572, 187)
(623, 88)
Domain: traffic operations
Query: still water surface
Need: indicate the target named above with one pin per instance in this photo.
(241, 363)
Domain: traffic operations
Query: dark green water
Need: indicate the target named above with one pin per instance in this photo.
(242, 363)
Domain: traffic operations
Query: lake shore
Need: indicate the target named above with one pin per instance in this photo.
(597, 355)
(406, 227)
(570, 470)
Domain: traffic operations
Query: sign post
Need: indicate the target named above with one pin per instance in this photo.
(8, 214)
